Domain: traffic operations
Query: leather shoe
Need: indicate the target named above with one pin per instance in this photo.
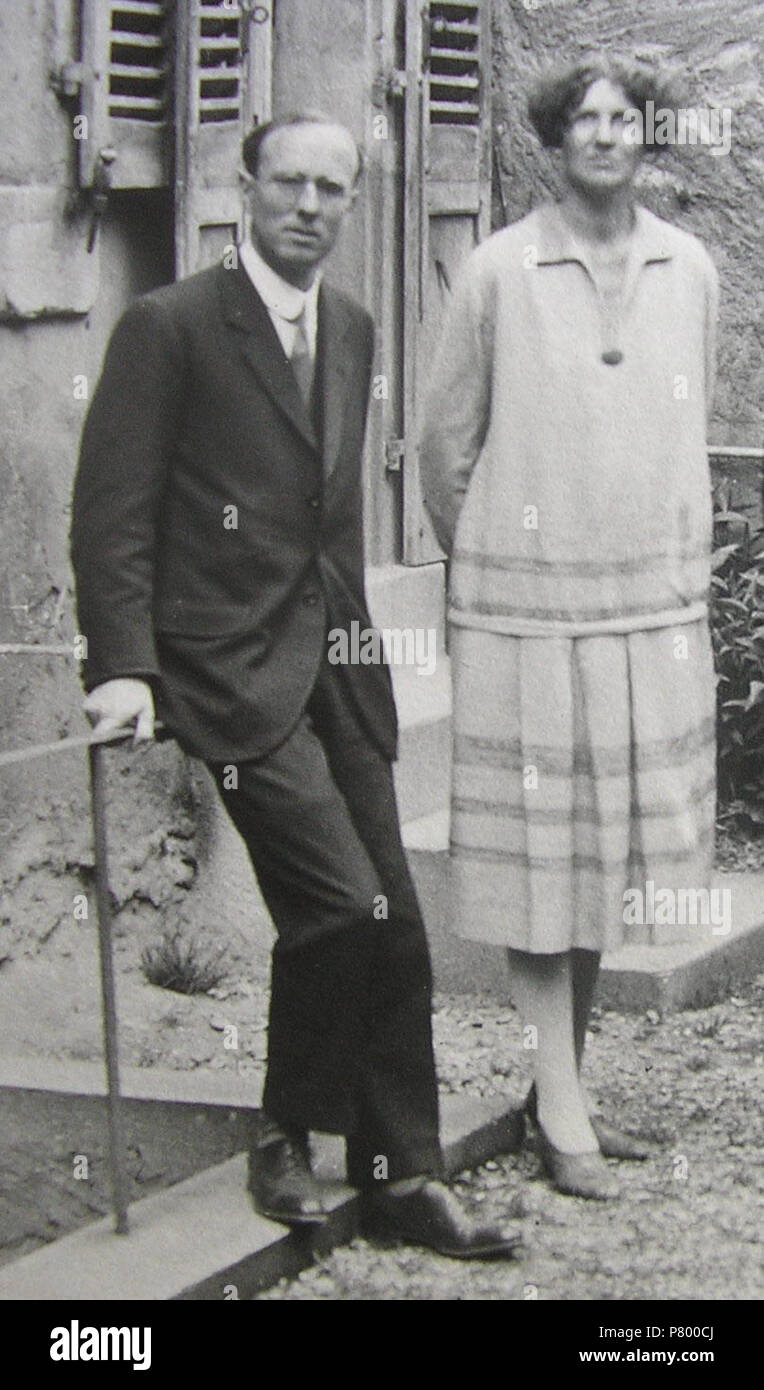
(578, 1175)
(613, 1143)
(282, 1185)
(433, 1216)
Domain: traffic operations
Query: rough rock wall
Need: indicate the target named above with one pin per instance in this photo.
(45, 856)
(718, 46)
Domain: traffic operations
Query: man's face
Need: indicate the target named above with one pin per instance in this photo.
(297, 202)
(598, 156)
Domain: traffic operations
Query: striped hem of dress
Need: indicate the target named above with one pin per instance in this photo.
(583, 569)
(565, 815)
(542, 623)
(513, 755)
(594, 863)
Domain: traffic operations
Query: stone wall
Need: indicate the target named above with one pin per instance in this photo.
(57, 307)
(718, 47)
(45, 837)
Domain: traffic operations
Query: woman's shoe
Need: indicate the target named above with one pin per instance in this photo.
(578, 1175)
(613, 1143)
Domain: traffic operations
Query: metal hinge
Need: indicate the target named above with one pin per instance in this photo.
(395, 452)
(388, 86)
(67, 80)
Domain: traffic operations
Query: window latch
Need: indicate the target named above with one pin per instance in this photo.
(395, 450)
(388, 86)
(100, 191)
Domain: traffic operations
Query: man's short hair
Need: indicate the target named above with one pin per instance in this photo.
(253, 142)
(559, 92)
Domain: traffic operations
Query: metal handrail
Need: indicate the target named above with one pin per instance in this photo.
(735, 451)
(63, 745)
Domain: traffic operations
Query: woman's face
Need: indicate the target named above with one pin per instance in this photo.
(600, 156)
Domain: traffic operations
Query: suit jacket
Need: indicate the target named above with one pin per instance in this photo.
(215, 538)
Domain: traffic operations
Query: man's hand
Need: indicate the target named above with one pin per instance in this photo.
(119, 704)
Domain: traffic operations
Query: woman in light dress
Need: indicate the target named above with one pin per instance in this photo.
(565, 468)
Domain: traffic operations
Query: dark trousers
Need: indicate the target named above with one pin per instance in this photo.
(350, 1041)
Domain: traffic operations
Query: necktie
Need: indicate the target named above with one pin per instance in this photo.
(302, 362)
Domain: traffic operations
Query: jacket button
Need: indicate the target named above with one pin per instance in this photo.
(311, 599)
(314, 502)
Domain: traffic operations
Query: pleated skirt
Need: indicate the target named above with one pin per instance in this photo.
(583, 767)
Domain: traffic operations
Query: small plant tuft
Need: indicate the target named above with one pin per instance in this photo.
(183, 964)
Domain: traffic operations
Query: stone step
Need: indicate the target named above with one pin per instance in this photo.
(423, 770)
(676, 975)
(406, 596)
(202, 1240)
(411, 599)
(427, 833)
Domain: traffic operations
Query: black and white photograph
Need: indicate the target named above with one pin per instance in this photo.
(382, 661)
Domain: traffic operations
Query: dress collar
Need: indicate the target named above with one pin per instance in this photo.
(557, 242)
(277, 294)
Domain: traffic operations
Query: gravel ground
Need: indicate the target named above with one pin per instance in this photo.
(689, 1221)
(692, 1081)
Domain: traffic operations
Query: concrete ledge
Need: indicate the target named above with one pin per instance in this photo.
(201, 1087)
(473, 1131)
(691, 974)
(426, 832)
(201, 1238)
(678, 975)
(408, 596)
(423, 770)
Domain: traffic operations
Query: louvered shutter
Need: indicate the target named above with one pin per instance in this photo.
(127, 59)
(447, 200)
(222, 85)
(455, 64)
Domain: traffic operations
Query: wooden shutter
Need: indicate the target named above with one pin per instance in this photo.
(127, 59)
(447, 200)
(455, 38)
(222, 86)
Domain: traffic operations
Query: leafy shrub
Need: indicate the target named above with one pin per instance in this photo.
(184, 965)
(737, 630)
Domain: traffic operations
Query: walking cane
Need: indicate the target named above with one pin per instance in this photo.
(96, 757)
(103, 906)
(95, 744)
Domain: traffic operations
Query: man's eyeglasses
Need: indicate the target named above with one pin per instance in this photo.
(291, 187)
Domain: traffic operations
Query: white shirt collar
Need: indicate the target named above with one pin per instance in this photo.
(279, 297)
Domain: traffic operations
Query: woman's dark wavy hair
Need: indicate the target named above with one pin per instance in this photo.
(560, 91)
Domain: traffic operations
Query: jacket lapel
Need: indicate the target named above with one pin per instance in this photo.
(335, 359)
(243, 310)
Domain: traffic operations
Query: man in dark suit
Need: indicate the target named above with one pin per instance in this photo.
(217, 538)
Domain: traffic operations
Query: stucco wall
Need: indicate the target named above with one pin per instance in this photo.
(718, 45)
(44, 829)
